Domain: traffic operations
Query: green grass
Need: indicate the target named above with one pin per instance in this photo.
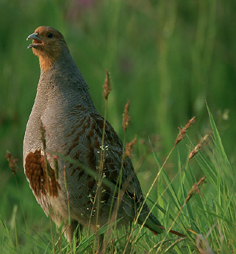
(167, 58)
(203, 211)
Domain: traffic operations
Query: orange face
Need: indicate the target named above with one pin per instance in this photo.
(47, 45)
(45, 36)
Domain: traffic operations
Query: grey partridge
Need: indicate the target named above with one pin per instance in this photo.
(73, 128)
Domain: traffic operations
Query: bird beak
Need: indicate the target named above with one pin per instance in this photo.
(36, 40)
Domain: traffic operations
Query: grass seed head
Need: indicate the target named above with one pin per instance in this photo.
(126, 117)
(43, 136)
(129, 148)
(183, 131)
(107, 86)
(199, 146)
(12, 162)
(196, 188)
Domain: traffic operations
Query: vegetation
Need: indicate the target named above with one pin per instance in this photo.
(168, 58)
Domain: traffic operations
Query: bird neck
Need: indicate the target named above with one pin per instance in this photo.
(63, 74)
(48, 59)
(45, 63)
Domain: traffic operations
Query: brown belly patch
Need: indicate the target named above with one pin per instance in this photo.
(40, 181)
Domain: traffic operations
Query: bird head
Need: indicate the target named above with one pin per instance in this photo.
(47, 45)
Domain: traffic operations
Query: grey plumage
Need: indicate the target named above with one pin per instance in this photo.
(73, 128)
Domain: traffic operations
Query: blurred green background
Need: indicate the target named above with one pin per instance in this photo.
(166, 57)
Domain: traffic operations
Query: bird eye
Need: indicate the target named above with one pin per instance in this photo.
(50, 35)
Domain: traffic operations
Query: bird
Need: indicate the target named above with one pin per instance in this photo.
(65, 121)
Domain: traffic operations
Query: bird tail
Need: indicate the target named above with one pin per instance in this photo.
(154, 225)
